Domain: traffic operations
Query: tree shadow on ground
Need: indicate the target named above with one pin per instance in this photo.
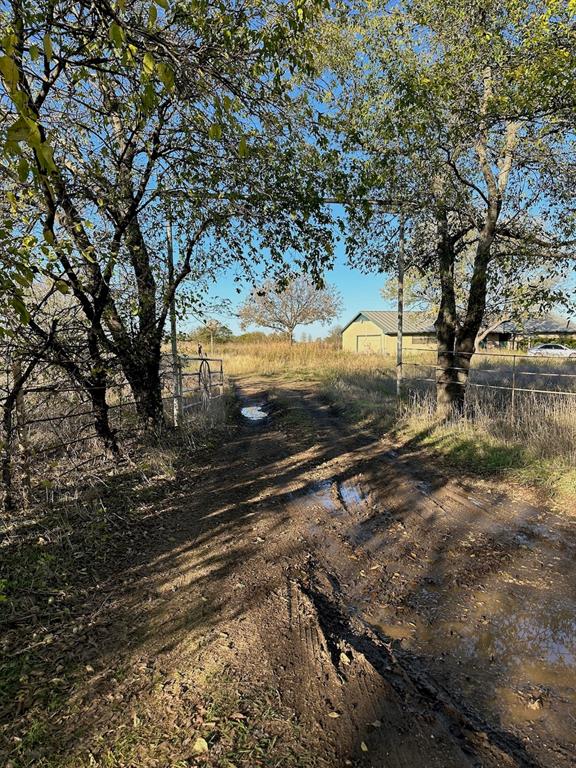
(139, 569)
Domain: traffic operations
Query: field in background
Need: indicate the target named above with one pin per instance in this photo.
(536, 445)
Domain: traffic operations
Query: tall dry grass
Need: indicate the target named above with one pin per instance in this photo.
(279, 358)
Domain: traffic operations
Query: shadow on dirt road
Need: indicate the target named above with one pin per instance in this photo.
(405, 619)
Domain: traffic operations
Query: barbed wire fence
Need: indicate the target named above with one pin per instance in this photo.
(48, 431)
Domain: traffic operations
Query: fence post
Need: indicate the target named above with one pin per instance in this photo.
(513, 397)
(221, 378)
(22, 432)
(178, 389)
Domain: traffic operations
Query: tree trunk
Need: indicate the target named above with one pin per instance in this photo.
(7, 455)
(142, 369)
(449, 387)
(97, 394)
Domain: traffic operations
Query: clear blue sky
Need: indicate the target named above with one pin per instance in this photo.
(358, 291)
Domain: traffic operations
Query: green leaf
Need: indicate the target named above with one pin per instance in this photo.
(148, 97)
(166, 75)
(152, 15)
(148, 63)
(48, 52)
(20, 308)
(45, 157)
(215, 131)
(24, 129)
(23, 169)
(9, 72)
(62, 287)
(116, 34)
(163, 4)
(243, 147)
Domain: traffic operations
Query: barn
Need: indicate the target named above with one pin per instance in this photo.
(376, 331)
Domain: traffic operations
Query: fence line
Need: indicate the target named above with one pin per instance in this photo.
(37, 439)
(507, 368)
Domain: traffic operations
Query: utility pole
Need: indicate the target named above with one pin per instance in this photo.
(176, 372)
(399, 336)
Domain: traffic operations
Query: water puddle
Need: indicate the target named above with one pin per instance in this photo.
(529, 645)
(350, 494)
(321, 493)
(254, 412)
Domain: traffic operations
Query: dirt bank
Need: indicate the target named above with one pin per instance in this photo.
(312, 597)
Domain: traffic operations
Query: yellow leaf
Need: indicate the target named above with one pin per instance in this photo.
(9, 72)
(48, 46)
(333, 715)
(363, 746)
(148, 63)
(200, 746)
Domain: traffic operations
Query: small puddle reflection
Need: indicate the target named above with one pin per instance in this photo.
(350, 494)
(321, 493)
(254, 412)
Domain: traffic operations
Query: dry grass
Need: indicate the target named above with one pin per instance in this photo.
(278, 358)
(535, 447)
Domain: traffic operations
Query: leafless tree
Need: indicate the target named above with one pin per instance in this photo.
(283, 309)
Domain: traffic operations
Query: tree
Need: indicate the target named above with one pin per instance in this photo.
(450, 110)
(212, 331)
(284, 308)
(116, 118)
(509, 296)
(334, 336)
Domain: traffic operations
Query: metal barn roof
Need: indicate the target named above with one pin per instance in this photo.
(414, 322)
(549, 323)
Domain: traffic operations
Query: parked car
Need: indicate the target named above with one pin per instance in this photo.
(551, 350)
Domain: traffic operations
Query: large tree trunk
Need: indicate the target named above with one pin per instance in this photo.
(141, 365)
(450, 388)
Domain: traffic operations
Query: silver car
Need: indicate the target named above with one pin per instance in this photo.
(551, 350)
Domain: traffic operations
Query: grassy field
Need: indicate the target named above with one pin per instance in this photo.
(534, 446)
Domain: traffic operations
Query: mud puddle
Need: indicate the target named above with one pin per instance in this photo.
(254, 412)
(522, 648)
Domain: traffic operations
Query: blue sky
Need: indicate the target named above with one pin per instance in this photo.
(358, 291)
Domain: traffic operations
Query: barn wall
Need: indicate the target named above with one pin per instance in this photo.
(364, 336)
(362, 330)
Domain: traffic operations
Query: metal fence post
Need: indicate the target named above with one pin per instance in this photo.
(513, 395)
(178, 392)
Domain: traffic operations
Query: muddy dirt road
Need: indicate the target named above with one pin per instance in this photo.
(437, 619)
(404, 620)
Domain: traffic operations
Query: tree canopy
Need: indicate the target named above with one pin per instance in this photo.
(449, 114)
(283, 309)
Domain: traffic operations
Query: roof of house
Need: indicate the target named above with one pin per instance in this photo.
(549, 323)
(414, 322)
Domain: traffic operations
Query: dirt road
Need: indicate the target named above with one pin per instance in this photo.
(399, 618)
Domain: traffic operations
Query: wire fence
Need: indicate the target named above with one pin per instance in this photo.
(48, 430)
(511, 374)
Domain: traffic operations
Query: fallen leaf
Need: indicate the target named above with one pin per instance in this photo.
(363, 746)
(200, 746)
(334, 715)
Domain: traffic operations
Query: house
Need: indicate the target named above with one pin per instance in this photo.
(520, 334)
(375, 331)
